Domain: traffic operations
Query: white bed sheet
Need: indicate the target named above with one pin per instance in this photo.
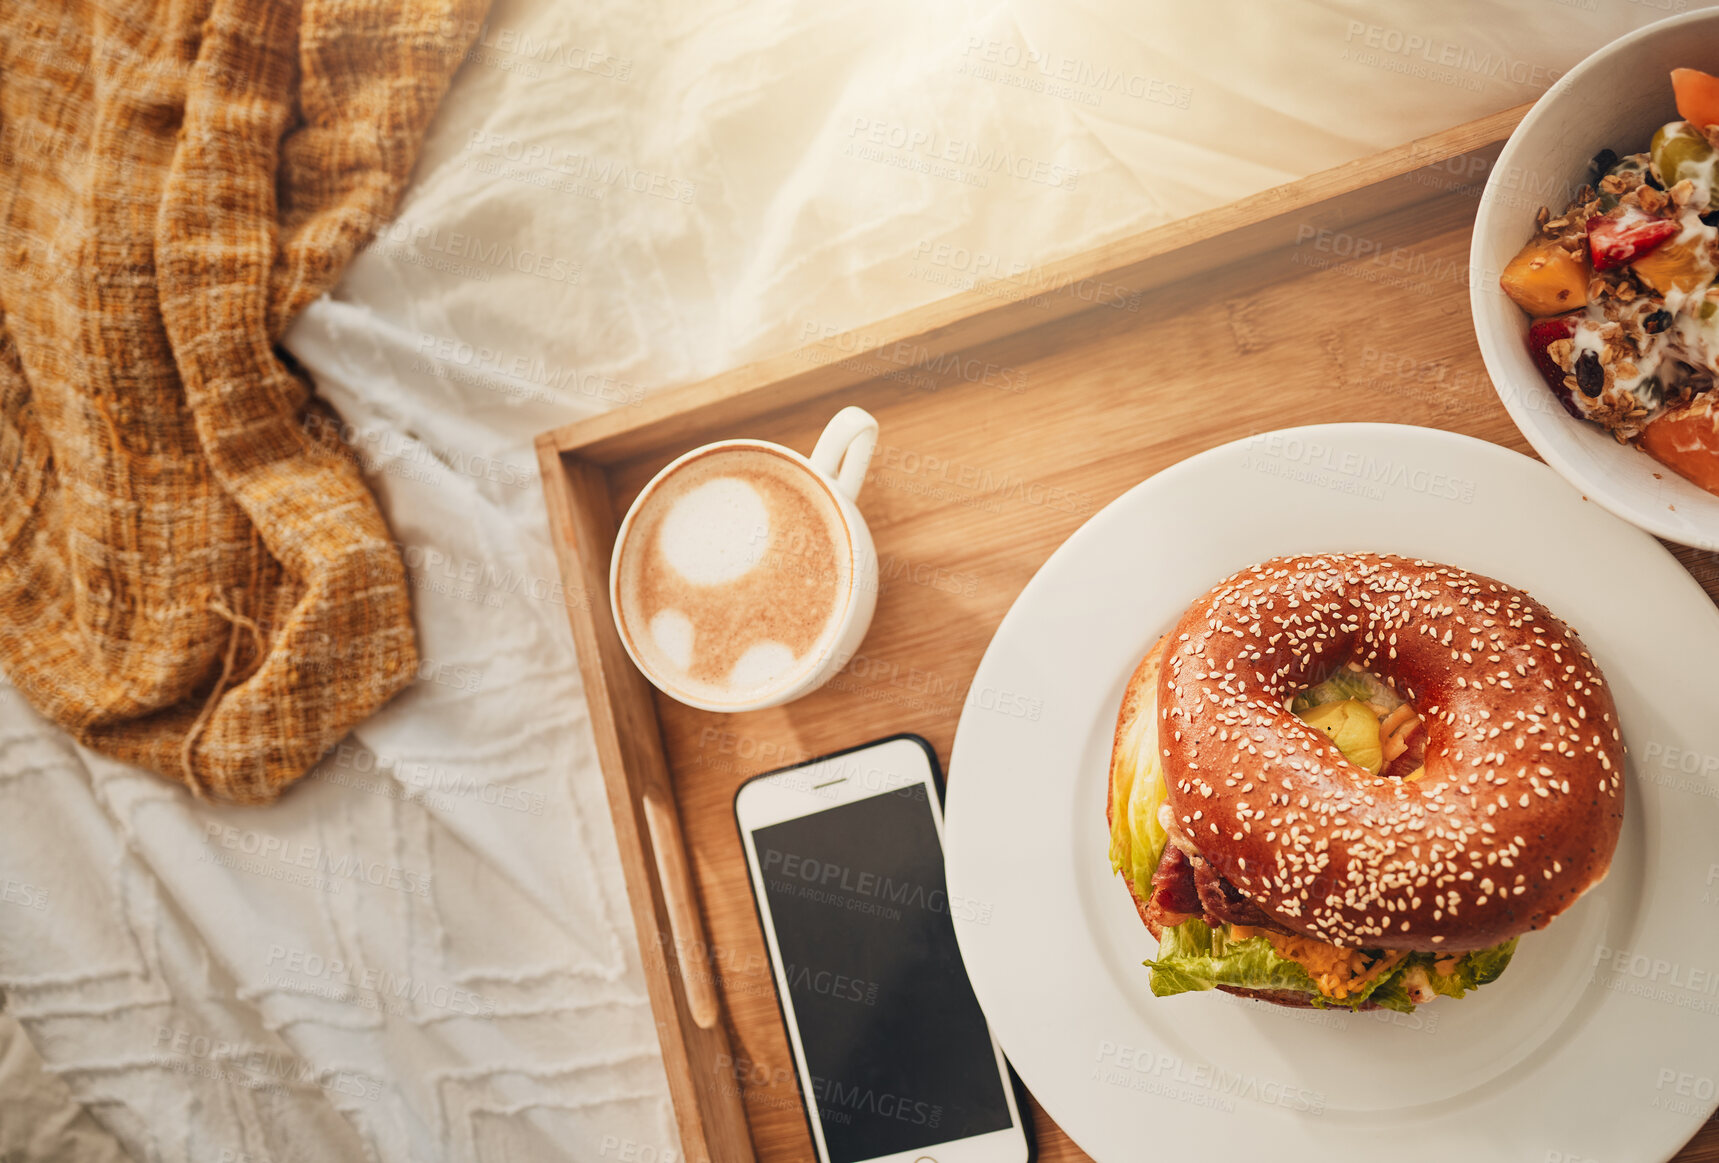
(425, 951)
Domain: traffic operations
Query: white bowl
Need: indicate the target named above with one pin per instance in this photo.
(1614, 99)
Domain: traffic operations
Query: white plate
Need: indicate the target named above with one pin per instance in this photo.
(1601, 1041)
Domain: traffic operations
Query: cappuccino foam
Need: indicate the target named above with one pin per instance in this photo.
(734, 576)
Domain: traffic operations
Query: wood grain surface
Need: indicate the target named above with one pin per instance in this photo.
(987, 463)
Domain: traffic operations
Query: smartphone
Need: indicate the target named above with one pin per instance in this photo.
(895, 1061)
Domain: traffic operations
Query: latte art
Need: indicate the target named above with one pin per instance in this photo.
(735, 574)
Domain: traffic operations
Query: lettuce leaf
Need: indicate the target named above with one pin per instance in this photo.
(1192, 956)
(1346, 684)
(1390, 992)
(1137, 838)
(1474, 969)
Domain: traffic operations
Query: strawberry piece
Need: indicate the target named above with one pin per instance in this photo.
(1617, 239)
(1542, 333)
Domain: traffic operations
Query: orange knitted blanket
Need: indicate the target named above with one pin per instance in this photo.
(192, 578)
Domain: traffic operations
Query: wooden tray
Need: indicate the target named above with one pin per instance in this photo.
(1009, 414)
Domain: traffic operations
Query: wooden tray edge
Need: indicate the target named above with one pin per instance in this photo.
(664, 904)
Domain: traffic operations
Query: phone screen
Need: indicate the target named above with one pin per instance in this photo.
(898, 1051)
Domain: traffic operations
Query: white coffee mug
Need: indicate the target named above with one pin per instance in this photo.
(837, 466)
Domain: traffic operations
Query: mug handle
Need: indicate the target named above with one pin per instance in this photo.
(843, 452)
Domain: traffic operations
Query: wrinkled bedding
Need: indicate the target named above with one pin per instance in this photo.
(424, 951)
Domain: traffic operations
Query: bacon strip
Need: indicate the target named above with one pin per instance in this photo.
(1224, 903)
(1173, 890)
(1189, 886)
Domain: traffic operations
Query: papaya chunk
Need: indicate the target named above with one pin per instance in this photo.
(1680, 265)
(1686, 440)
(1697, 96)
(1545, 279)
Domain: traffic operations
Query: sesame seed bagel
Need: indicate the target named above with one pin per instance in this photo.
(1516, 816)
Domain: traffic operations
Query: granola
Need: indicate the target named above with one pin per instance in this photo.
(1623, 289)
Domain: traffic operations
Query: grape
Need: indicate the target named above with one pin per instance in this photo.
(1678, 153)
